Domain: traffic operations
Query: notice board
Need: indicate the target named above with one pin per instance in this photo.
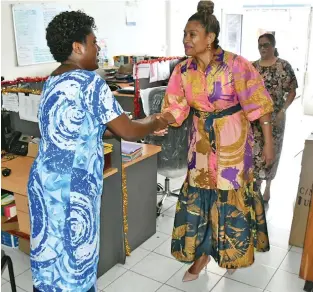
(30, 23)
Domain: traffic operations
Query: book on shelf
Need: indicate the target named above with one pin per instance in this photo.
(8, 207)
(108, 148)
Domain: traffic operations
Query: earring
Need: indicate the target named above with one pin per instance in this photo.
(209, 47)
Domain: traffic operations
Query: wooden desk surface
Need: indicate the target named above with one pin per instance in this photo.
(17, 181)
(124, 84)
(115, 93)
(20, 167)
(147, 151)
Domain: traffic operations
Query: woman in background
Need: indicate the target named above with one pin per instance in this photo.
(281, 83)
(217, 213)
(66, 180)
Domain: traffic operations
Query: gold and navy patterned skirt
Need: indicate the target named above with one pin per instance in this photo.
(226, 224)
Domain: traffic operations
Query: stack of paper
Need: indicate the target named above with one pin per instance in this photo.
(130, 151)
(10, 102)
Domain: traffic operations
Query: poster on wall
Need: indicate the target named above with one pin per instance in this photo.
(30, 22)
(103, 54)
(233, 32)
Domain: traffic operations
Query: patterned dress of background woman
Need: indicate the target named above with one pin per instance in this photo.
(279, 80)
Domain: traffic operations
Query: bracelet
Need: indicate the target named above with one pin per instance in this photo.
(266, 123)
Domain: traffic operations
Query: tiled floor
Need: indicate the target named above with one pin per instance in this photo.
(151, 267)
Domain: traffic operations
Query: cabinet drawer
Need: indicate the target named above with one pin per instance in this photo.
(21, 203)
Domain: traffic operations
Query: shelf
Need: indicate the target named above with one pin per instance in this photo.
(110, 171)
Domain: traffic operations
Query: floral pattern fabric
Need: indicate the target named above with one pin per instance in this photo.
(227, 81)
(279, 80)
(217, 212)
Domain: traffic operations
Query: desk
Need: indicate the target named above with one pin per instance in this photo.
(20, 167)
(141, 176)
(125, 100)
(111, 235)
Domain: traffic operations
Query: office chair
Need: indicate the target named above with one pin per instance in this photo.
(308, 287)
(6, 261)
(172, 160)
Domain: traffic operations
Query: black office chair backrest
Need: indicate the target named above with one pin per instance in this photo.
(172, 161)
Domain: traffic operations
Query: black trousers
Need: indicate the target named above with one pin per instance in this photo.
(90, 290)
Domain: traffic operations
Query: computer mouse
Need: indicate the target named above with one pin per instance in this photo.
(6, 172)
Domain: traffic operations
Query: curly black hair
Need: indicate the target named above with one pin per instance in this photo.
(65, 29)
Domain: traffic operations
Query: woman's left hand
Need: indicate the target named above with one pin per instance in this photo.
(268, 154)
(161, 133)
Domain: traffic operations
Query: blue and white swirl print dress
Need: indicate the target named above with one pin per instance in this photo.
(66, 181)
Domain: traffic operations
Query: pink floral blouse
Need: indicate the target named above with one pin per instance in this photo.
(227, 81)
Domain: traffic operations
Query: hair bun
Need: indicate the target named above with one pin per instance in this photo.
(206, 7)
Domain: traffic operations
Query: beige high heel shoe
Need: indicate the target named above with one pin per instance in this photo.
(231, 271)
(191, 277)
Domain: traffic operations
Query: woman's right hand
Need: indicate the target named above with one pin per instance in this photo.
(162, 131)
(161, 122)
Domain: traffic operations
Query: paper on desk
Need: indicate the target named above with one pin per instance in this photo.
(153, 72)
(10, 102)
(28, 107)
(143, 71)
(128, 88)
(163, 70)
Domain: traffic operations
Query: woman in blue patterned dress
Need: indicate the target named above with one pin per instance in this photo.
(65, 183)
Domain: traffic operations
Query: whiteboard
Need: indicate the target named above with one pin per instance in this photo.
(30, 23)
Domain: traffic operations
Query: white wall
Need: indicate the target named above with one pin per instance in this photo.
(308, 89)
(179, 15)
(148, 37)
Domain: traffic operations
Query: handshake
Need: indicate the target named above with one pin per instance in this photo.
(161, 122)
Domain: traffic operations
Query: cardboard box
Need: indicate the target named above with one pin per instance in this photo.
(306, 269)
(32, 150)
(24, 245)
(9, 239)
(304, 197)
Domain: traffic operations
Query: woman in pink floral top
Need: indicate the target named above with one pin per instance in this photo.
(218, 214)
